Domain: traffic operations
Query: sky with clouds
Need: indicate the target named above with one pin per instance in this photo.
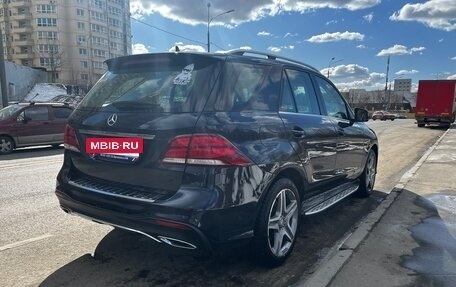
(354, 38)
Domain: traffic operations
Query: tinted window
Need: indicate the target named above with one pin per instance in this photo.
(334, 103)
(61, 112)
(164, 83)
(37, 113)
(247, 87)
(303, 91)
(288, 104)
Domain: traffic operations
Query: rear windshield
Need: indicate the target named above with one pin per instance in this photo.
(176, 83)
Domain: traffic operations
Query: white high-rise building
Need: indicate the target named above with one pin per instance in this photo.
(69, 38)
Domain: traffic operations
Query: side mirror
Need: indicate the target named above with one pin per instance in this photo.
(361, 115)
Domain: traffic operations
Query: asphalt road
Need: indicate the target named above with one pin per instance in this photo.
(40, 245)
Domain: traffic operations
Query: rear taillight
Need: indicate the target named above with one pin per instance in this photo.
(70, 141)
(204, 149)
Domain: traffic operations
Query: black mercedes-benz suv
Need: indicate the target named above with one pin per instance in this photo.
(235, 146)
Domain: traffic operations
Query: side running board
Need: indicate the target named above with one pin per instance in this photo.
(325, 200)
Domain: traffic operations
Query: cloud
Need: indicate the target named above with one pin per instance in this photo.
(187, 48)
(354, 76)
(331, 22)
(441, 40)
(245, 48)
(369, 17)
(274, 49)
(194, 13)
(347, 71)
(139, 48)
(361, 47)
(264, 33)
(452, 77)
(290, 35)
(407, 72)
(337, 36)
(437, 14)
(400, 50)
(454, 58)
(417, 49)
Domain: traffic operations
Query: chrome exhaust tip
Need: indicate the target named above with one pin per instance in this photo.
(177, 243)
(159, 239)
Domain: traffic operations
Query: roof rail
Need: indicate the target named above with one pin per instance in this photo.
(241, 52)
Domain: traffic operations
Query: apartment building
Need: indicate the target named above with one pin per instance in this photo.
(69, 38)
(403, 85)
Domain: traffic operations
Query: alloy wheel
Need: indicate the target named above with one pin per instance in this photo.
(283, 222)
(371, 170)
(5, 145)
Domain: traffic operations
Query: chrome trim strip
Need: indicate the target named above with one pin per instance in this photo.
(117, 134)
(108, 193)
(331, 201)
(115, 225)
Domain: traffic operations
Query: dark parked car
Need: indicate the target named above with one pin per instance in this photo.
(31, 124)
(236, 146)
(383, 116)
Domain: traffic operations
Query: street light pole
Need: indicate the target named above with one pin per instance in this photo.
(208, 23)
(209, 20)
(3, 74)
(331, 61)
(329, 65)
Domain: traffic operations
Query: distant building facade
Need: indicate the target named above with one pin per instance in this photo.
(70, 38)
(403, 85)
(378, 99)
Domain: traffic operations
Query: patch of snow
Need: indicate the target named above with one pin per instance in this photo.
(45, 92)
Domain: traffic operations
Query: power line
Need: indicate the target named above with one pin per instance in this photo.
(176, 35)
(163, 30)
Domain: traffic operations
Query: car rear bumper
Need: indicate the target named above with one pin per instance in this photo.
(163, 222)
(434, 119)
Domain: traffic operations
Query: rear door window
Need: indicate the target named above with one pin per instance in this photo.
(247, 87)
(303, 92)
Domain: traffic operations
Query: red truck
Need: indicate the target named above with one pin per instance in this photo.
(435, 103)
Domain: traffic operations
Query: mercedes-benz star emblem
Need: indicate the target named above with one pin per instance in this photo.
(112, 120)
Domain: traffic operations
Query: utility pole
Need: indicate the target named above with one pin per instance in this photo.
(386, 83)
(208, 24)
(3, 73)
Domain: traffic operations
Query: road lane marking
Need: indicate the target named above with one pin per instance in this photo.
(24, 242)
(34, 163)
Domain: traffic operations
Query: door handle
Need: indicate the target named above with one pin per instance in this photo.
(298, 132)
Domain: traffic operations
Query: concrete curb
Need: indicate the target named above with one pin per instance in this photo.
(341, 252)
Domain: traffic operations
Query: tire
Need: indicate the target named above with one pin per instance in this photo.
(367, 178)
(392, 119)
(277, 224)
(6, 145)
(421, 125)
